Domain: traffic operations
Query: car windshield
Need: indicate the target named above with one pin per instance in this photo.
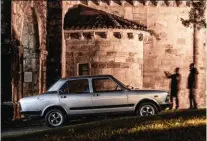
(56, 86)
(122, 84)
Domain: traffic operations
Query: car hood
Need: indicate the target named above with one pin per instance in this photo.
(29, 98)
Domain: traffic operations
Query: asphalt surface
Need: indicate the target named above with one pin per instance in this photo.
(20, 127)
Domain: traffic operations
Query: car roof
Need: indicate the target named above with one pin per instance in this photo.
(85, 76)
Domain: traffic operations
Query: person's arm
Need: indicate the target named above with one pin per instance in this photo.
(167, 74)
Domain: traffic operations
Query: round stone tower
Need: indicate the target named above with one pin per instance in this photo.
(101, 43)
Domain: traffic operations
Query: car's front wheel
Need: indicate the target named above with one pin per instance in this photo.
(146, 109)
(54, 118)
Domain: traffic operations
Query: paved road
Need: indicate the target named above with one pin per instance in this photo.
(30, 126)
(22, 127)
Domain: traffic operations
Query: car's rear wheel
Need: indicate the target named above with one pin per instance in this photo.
(54, 118)
(146, 109)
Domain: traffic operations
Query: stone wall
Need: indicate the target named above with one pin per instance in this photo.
(123, 58)
(29, 29)
(28, 26)
(170, 46)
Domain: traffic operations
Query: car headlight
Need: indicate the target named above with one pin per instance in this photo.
(167, 98)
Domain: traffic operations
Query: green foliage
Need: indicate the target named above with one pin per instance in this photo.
(196, 15)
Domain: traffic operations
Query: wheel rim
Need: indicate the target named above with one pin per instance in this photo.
(55, 118)
(147, 110)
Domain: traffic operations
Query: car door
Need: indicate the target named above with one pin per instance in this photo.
(108, 96)
(76, 96)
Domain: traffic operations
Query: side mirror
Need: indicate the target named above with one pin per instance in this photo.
(61, 91)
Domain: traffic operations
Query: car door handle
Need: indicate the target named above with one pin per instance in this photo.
(96, 94)
(40, 98)
(63, 96)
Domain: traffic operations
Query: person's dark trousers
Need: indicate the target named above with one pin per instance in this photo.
(176, 101)
(193, 103)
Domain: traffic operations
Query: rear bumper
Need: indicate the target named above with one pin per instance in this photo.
(31, 114)
(164, 106)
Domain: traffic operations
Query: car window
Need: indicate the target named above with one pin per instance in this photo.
(75, 87)
(56, 86)
(64, 89)
(105, 85)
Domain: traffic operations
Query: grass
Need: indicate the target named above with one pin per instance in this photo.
(171, 126)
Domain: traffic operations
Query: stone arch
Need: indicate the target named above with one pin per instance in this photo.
(30, 52)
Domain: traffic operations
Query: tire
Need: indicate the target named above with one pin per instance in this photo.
(55, 118)
(146, 109)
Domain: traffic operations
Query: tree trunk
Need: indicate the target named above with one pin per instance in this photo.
(195, 45)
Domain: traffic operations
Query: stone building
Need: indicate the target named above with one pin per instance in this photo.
(92, 49)
(134, 40)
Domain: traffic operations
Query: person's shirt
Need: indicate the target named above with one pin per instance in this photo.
(175, 81)
(192, 78)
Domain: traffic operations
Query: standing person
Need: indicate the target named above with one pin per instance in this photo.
(175, 86)
(192, 86)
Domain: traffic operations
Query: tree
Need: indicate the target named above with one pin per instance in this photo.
(197, 21)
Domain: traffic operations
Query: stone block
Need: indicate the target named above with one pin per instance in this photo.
(94, 65)
(152, 10)
(132, 53)
(130, 60)
(139, 10)
(128, 13)
(163, 10)
(181, 41)
(113, 65)
(96, 59)
(120, 72)
(106, 58)
(124, 65)
(120, 59)
(146, 80)
(124, 54)
(111, 53)
(100, 53)
(148, 85)
(161, 24)
(107, 71)
(97, 71)
(139, 17)
(101, 65)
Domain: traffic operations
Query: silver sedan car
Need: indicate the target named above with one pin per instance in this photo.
(88, 95)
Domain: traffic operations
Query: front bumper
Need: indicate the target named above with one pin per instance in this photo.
(165, 106)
